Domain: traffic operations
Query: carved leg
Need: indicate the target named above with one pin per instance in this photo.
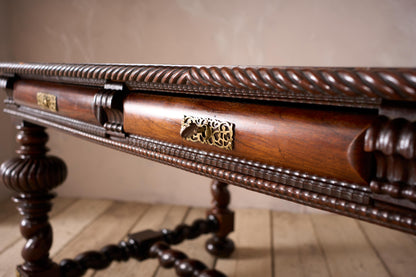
(32, 175)
(219, 245)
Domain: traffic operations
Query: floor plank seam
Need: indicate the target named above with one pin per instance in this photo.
(156, 271)
(72, 202)
(10, 245)
(137, 221)
(148, 206)
(81, 230)
(378, 251)
(374, 249)
(272, 242)
(188, 210)
(320, 246)
(215, 263)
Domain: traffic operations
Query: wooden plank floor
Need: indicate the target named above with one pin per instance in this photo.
(268, 243)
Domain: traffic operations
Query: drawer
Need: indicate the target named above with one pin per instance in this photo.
(324, 142)
(71, 101)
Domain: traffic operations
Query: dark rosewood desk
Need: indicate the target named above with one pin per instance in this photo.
(338, 139)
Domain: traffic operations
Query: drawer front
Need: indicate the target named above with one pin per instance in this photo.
(72, 101)
(322, 142)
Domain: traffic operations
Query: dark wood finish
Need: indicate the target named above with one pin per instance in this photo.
(33, 175)
(219, 245)
(357, 87)
(72, 101)
(315, 191)
(108, 109)
(392, 140)
(37, 231)
(91, 105)
(272, 134)
(396, 161)
(136, 247)
(143, 245)
(356, 160)
(184, 267)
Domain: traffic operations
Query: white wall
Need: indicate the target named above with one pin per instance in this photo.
(262, 32)
(7, 129)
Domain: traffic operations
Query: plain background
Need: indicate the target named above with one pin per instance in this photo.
(261, 32)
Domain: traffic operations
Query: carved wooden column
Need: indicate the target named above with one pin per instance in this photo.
(392, 140)
(32, 175)
(219, 245)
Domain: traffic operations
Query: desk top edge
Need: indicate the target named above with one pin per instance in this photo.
(341, 86)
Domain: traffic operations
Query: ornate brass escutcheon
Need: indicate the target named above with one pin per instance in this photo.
(46, 101)
(208, 131)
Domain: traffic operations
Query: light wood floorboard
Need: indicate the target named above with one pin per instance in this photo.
(347, 251)
(267, 243)
(294, 244)
(253, 241)
(397, 250)
(110, 226)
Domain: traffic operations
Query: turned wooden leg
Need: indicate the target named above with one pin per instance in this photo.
(219, 245)
(32, 175)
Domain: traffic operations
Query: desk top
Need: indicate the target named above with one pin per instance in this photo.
(275, 130)
(355, 87)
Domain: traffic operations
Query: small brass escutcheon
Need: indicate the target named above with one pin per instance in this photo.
(46, 101)
(208, 131)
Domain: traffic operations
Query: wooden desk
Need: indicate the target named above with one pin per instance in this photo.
(337, 139)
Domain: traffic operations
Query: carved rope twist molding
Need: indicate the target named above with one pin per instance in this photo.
(255, 82)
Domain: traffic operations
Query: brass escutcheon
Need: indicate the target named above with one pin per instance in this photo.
(46, 101)
(208, 131)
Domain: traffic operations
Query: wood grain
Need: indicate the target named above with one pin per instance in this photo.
(312, 154)
(103, 230)
(253, 243)
(194, 249)
(73, 101)
(157, 217)
(296, 246)
(74, 219)
(295, 186)
(347, 251)
(277, 135)
(395, 249)
(296, 249)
